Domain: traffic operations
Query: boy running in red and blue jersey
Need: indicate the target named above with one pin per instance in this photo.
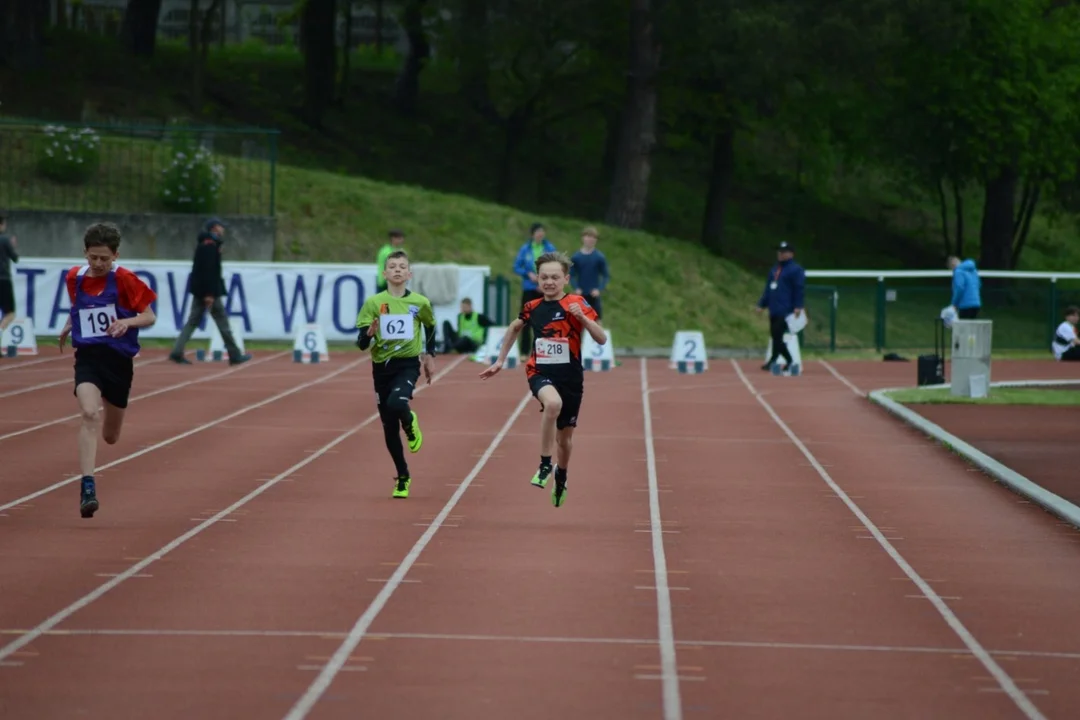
(108, 306)
(554, 370)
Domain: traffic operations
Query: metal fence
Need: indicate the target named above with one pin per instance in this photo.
(84, 167)
(896, 310)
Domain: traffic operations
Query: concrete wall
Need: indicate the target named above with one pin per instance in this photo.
(147, 236)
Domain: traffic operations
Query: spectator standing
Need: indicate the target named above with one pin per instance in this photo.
(589, 271)
(396, 242)
(1066, 345)
(525, 267)
(966, 284)
(207, 288)
(8, 255)
(785, 291)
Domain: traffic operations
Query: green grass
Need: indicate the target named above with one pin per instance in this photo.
(434, 174)
(997, 396)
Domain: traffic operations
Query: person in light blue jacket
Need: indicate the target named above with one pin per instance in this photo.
(965, 288)
(525, 266)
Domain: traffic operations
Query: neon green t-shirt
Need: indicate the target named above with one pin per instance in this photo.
(402, 322)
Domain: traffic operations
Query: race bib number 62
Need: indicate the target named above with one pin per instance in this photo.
(552, 351)
(93, 322)
(396, 327)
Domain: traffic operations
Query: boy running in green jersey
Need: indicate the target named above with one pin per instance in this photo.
(390, 322)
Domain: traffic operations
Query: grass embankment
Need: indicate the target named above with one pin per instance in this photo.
(1068, 395)
(838, 215)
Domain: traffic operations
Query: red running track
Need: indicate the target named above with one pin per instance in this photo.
(734, 545)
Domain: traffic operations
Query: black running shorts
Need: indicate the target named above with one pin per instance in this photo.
(107, 369)
(571, 400)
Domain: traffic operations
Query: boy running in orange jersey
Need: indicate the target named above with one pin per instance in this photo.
(109, 305)
(554, 368)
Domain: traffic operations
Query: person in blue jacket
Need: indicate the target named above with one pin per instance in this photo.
(525, 266)
(785, 291)
(965, 288)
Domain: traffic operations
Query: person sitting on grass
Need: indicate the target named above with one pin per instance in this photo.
(471, 330)
(1066, 345)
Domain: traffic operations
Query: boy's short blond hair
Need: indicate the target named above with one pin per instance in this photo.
(591, 232)
(554, 257)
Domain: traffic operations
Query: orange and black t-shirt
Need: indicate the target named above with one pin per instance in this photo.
(556, 352)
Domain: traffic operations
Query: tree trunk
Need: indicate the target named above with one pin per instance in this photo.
(61, 14)
(997, 221)
(320, 58)
(346, 63)
(138, 34)
(514, 128)
(637, 137)
(473, 64)
(407, 89)
(22, 33)
(720, 179)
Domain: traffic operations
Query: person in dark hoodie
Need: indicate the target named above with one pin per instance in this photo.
(966, 285)
(785, 291)
(207, 287)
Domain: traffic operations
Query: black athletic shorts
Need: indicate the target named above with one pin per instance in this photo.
(571, 400)
(397, 377)
(110, 371)
(7, 297)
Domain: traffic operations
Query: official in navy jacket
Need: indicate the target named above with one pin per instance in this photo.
(785, 293)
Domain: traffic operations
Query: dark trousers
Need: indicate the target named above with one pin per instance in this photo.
(777, 328)
(453, 343)
(1072, 353)
(217, 312)
(967, 313)
(526, 339)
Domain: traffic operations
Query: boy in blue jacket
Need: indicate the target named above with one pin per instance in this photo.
(784, 293)
(965, 288)
(589, 272)
(525, 267)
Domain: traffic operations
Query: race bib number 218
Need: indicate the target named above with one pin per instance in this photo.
(552, 351)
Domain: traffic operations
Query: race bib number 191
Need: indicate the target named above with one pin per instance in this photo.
(93, 322)
(396, 327)
(552, 351)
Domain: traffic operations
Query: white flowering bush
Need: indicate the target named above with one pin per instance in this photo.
(192, 182)
(69, 155)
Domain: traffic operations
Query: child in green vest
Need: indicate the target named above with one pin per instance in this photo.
(397, 240)
(471, 330)
(390, 322)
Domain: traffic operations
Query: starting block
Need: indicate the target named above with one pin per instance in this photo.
(489, 351)
(217, 351)
(19, 338)
(688, 352)
(310, 344)
(595, 356)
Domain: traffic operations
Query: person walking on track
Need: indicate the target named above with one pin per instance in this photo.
(785, 290)
(525, 267)
(207, 287)
(966, 285)
(8, 255)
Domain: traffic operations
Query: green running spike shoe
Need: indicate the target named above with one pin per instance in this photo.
(558, 493)
(401, 486)
(412, 432)
(540, 479)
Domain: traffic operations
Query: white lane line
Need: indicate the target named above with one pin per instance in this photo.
(16, 366)
(839, 376)
(1004, 680)
(65, 381)
(159, 391)
(322, 682)
(543, 639)
(181, 436)
(33, 634)
(665, 624)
